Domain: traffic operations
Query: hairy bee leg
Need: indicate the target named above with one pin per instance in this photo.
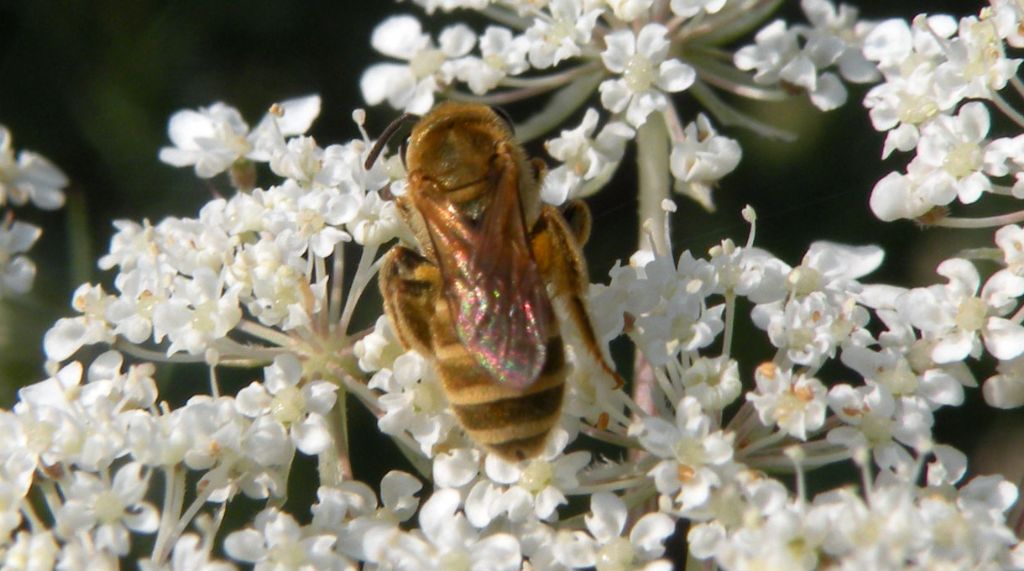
(410, 285)
(561, 263)
(577, 216)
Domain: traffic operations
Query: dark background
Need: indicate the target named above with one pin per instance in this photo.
(91, 85)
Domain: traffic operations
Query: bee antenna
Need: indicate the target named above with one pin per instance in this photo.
(386, 136)
(501, 112)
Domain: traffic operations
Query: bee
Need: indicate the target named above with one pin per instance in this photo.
(478, 297)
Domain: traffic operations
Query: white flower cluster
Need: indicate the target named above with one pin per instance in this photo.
(249, 262)
(931, 66)
(27, 177)
(258, 280)
(633, 53)
(897, 526)
(91, 445)
(711, 472)
(796, 55)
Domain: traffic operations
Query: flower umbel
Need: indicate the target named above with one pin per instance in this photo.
(254, 309)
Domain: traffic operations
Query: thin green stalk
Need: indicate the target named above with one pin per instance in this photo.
(983, 222)
(1007, 109)
(335, 463)
(174, 498)
(652, 152)
(730, 319)
(337, 279)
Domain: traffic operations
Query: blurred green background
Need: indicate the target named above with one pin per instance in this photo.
(90, 85)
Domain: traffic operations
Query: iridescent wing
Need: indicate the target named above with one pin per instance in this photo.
(498, 301)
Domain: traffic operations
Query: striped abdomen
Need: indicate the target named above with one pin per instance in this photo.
(511, 423)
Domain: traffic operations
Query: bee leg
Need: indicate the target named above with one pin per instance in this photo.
(561, 263)
(410, 285)
(577, 216)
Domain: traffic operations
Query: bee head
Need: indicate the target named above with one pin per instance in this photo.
(454, 145)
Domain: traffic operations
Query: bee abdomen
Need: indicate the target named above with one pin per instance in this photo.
(466, 382)
(506, 414)
(510, 422)
(515, 428)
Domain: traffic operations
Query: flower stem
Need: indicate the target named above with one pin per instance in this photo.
(730, 320)
(335, 463)
(984, 222)
(1007, 109)
(174, 498)
(35, 524)
(1017, 84)
(652, 167)
(266, 333)
(364, 272)
(553, 80)
(334, 299)
(560, 106)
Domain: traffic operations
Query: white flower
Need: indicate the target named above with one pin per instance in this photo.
(69, 334)
(521, 492)
(432, 6)
(692, 454)
(213, 431)
(444, 541)
(281, 292)
(584, 157)
(214, 137)
(376, 222)
(111, 508)
(958, 320)
(778, 57)
(379, 348)
(793, 402)
(199, 312)
(749, 272)
(47, 429)
(874, 419)
(953, 152)
(606, 523)
(630, 10)
(822, 312)
(810, 328)
(1007, 15)
(976, 65)
(413, 401)
(30, 177)
(30, 551)
(1006, 388)
(277, 542)
(501, 54)
(838, 37)
(1010, 240)
(714, 382)
(312, 215)
(645, 73)
(350, 512)
(690, 8)
(188, 555)
(337, 507)
(411, 86)
(298, 409)
(561, 34)
(900, 195)
(17, 272)
(535, 488)
(701, 158)
(668, 302)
